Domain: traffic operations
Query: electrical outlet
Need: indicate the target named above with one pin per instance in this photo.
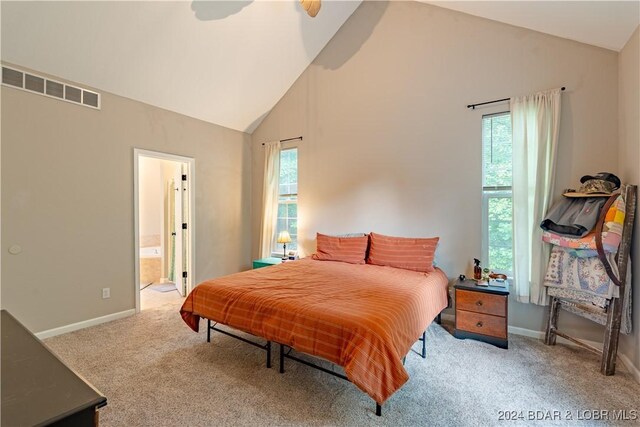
(106, 293)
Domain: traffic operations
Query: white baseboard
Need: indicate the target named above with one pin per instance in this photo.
(635, 372)
(84, 324)
(527, 332)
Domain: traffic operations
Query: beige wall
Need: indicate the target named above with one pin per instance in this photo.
(390, 146)
(67, 199)
(629, 128)
(151, 201)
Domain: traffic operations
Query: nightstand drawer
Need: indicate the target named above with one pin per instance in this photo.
(481, 302)
(481, 323)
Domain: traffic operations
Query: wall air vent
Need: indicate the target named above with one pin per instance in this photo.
(49, 88)
(34, 83)
(12, 77)
(91, 99)
(55, 89)
(73, 94)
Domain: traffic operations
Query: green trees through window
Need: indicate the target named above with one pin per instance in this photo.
(496, 192)
(288, 200)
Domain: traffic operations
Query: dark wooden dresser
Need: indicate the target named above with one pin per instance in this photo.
(38, 389)
(481, 313)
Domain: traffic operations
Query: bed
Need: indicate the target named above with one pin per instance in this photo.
(364, 318)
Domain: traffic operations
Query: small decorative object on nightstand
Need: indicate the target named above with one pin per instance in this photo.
(477, 270)
(481, 312)
(265, 262)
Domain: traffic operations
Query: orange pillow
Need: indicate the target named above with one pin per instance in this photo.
(344, 249)
(403, 252)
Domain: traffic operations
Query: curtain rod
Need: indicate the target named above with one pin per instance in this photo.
(473, 106)
(288, 139)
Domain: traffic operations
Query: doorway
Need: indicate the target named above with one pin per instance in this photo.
(163, 216)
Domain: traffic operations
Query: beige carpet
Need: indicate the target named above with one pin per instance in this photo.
(156, 372)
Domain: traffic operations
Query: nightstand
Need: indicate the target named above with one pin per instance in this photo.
(265, 262)
(481, 313)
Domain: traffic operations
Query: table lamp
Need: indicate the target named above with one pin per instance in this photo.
(284, 238)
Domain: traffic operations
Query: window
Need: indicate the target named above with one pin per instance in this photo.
(288, 200)
(497, 202)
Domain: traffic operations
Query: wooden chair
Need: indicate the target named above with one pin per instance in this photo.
(610, 317)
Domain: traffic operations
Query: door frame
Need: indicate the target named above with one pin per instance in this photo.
(191, 185)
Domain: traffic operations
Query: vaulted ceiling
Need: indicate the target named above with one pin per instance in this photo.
(225, 62)
(607, 24)
(229, 62)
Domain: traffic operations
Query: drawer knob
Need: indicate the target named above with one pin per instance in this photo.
(479, 324)
(479, 303)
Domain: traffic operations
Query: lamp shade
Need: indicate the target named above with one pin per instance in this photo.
(284, 237)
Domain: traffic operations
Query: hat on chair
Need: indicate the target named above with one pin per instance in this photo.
(599, 185)
(604, 176)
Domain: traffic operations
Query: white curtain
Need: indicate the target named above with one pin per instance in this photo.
(535, 121)
(270, 196)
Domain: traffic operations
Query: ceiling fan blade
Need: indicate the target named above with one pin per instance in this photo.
(311, 6)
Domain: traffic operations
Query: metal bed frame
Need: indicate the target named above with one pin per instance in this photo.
(268, 346)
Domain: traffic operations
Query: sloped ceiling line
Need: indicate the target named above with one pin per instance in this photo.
(230, 62)
(226, 63)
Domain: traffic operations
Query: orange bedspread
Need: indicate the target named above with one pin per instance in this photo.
(364, 318)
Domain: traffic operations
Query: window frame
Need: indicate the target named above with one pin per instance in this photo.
(493, 192)
(276, 250)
